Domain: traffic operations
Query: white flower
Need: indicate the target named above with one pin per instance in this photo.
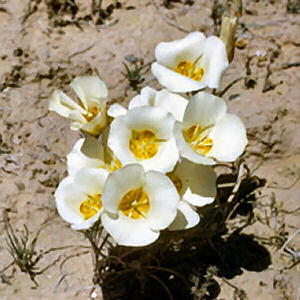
(170, 102)
(89, 114)
(79, 197)
(90, 153)
(191, 63)
(196, 185)
(144, 135)
(137, 205)
(208, 133)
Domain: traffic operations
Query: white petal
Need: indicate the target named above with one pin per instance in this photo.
(163, 200)
(68, 198)
(229, 137)
(77, 159)
(186, 151)
(137, 102)
(188, 48)
(129, 232)
(186, 217)
(87, 223)
(75, 125)
(118, 140)
(119, 183)
(165, 159)
(89, 88)
(172, 103)
(204, 109)
(149, 94)
(214, 61)
(146, 98)
(174, 81)
(63, 105)
(169, 102)
(91, 180)
(78, 119)
(116, 110)
(198, 182)
(155, 119)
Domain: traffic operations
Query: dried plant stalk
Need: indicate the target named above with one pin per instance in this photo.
(230, 21)
(227, 35)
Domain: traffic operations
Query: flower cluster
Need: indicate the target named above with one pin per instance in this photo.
(149, 168)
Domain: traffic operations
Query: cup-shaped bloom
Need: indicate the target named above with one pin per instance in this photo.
(79, 197)
(90, 153)
(191, 63)
(196, 185)
(78, 159)
(137, 205)
(170, 102)
(208, 133)
(89, 114)
(144, 135)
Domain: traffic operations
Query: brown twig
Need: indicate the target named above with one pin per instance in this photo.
(82, 51)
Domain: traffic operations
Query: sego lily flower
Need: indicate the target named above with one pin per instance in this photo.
(89, 153)
(170, 102)
(79, 197)
(137, 205)
(89, 114)
(191, 63)
(208, 133)
(196, 185)
(144, 135)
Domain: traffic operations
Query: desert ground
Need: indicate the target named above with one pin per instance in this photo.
(44, 44)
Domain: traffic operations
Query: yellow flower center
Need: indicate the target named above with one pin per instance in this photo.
(92, 113)
(186, 68)
(177, 182)
(197, 137)
(143, 144)
(91, 206)
(135, 204)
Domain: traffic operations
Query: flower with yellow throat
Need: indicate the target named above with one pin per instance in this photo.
(79, 197)
(170, 102)
(138, 205)
(208, 133)
(89, 113)
(196, 186)
(91, 153)
(191, 63)
(144, 135)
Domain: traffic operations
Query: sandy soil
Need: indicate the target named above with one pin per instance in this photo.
(37, 57)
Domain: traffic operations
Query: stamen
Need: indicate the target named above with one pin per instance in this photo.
(186, 68)
(91, 206)
(135, 204)
(197, 137)
(143, 144)
(92, 113)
